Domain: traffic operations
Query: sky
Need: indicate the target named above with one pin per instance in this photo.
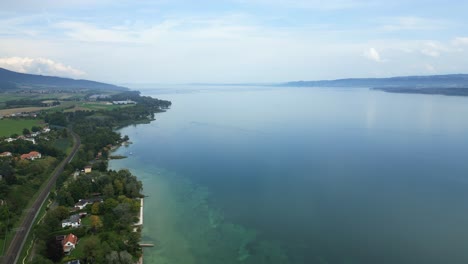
(233, 41)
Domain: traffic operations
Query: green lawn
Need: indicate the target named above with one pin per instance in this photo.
(63, 144)
(86, 221)
(78, 253)
(15, 126)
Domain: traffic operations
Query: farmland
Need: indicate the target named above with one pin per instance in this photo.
(16, 126)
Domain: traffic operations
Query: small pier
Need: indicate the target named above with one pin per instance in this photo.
(146, 245)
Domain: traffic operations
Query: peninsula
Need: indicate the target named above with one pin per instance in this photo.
(450, 84)
(90, 213)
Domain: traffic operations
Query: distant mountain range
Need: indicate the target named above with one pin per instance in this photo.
(10, 80)
(432, 81)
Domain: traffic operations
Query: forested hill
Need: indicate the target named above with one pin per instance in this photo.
(10, 80)
(431, 81)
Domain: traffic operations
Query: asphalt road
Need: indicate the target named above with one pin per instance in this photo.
(16, 245)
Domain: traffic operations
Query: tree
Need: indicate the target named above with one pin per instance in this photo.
(91, 247)
(96, 222)
(108, 191)
(8, 173)
(38, 259)
(125, 257)
(36, 129)
(61, 212)
(95, 209)
(26, 131)
(54, 249)
(118, 186)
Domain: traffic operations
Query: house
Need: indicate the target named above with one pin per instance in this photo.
(5, 154)
(31, 155)
(69, 243)
(88, 169)
(76, 261)
(10, 140)
(82, 203)
(45, 130)
(123, 102)
(31, 140)
(74, 221)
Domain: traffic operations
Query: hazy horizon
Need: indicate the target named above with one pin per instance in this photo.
(233, 41)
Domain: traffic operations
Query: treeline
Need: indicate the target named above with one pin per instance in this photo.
(109, 237)
(30, 102)
(110, 184)
(20, 146)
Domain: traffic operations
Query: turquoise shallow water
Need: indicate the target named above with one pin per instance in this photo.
(288, 175)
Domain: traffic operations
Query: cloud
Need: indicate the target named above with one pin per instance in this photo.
(460, 41)
(311, 4)
(223, 28)
(39, 66)
(433, 49)
(429, 68)
(413, 23)
(372, 54)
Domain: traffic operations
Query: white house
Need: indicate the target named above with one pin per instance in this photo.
(31, 140)
(82, 203)
(74, 221)
(123, 102)
(5, 154)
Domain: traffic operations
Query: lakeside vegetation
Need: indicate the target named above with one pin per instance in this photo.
(107, 234)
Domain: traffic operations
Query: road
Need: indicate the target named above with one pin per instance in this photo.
(16, 245)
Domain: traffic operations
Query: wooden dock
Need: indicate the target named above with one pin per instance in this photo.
(146, 245)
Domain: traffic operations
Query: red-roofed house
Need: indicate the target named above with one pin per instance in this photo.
(31, 155)
(69, 243)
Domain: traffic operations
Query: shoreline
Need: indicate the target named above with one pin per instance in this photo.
(140, 221)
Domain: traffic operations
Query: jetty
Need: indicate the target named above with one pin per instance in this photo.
(146, 245)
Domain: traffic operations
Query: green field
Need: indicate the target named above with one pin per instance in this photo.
(92, 106)
(16, 126)
(63, 144)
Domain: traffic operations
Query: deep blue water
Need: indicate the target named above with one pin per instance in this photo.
(303, 175)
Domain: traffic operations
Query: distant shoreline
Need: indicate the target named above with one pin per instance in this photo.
(428, 91)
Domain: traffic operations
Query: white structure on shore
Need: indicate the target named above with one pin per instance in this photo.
(123, 102)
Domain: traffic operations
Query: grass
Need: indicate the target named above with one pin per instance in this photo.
(78, 253)
(63, 144)
(86, 221)
(4, 97)
(93, 106)
(7, 240)
(30, 238)
(11, 111)
(16, 126)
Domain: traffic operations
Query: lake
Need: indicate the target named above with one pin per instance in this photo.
(302, 175)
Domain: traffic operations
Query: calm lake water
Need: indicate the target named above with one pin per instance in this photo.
(297, 175)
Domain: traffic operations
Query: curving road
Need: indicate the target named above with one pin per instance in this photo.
(16, 245)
